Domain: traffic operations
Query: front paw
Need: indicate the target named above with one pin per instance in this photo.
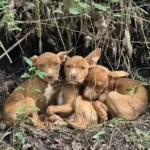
(38, 123)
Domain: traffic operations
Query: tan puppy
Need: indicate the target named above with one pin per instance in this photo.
(49, 63)
(124, 97)
(76, 70)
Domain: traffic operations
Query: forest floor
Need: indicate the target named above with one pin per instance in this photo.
(116, 134)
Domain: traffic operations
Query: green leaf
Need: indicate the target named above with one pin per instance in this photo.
(3, 2)
(18, 22)
(143, 11)
(25, 75)
(34, 108)
(21, 136)
(113, 1)
(83, 5)
(32, 69)
(103, 7)
(74, 11)
(28, 61)
(20, 110)
(13, 29)
(36, 90)
(40, 73)
(19, 88)
(147, 134)
(30, 118)
(136, 89)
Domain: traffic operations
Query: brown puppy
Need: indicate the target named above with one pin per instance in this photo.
(124, 97)
(48, 63)
(76, 70)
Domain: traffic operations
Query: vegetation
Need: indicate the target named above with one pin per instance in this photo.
(119, 27)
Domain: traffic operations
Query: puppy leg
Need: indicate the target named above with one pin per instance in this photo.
(79, 107)
(101, 110)
(80, 122)
(124, 106)
(30, 111)
(62, 109)
(11, 107)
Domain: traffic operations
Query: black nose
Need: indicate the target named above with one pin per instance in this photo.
(50, 77)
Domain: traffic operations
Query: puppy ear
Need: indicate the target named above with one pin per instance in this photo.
(63, 56)
(93, 57)
(34, 59)
(117, 74)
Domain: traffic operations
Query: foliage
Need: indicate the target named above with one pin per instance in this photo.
(132, 90)
(21, 136)
(8, 17)
(119, 27)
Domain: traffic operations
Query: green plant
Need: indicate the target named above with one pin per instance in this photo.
(8, 19)
(21, 136)
(76, 7)
(116, 121)
(132, 90)
(142, 138)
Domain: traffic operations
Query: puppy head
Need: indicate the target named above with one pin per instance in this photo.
(50, 64)
(76, 68)
(98, 79)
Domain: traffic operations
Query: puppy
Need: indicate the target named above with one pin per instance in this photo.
(76, 70)
(124, 97)
(48, 63)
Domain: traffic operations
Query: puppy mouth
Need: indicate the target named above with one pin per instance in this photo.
(89, 96)
(75, 82)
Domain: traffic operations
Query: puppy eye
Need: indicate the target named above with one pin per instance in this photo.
(68, 66)
(99, 86)
(83, 67)
(56, 64)
(41, 65)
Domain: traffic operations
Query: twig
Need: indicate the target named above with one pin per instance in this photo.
(11, 48)
(5, 52)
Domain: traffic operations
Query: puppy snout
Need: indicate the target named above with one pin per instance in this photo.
(73, 76)
(90, 94)
(50, 77)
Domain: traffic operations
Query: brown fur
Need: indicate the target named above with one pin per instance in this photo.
(49, 63)
(76, 70)
(108, 87)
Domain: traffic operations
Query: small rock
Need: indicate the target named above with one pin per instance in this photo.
(2, 126)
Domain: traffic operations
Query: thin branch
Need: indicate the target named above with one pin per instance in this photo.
(5, 52)
(12, 47)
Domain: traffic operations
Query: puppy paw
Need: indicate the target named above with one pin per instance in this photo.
(49, 124)
(38, 124)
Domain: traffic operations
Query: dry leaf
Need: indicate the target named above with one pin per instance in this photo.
(127, 43)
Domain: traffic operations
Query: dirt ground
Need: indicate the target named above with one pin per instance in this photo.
(116, 134)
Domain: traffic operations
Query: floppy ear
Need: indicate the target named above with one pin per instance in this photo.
(63, 56)
(117, 74)
(93, 57)
(34, 59)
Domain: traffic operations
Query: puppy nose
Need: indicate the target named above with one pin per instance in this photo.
(73, 76)
(50, 77)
